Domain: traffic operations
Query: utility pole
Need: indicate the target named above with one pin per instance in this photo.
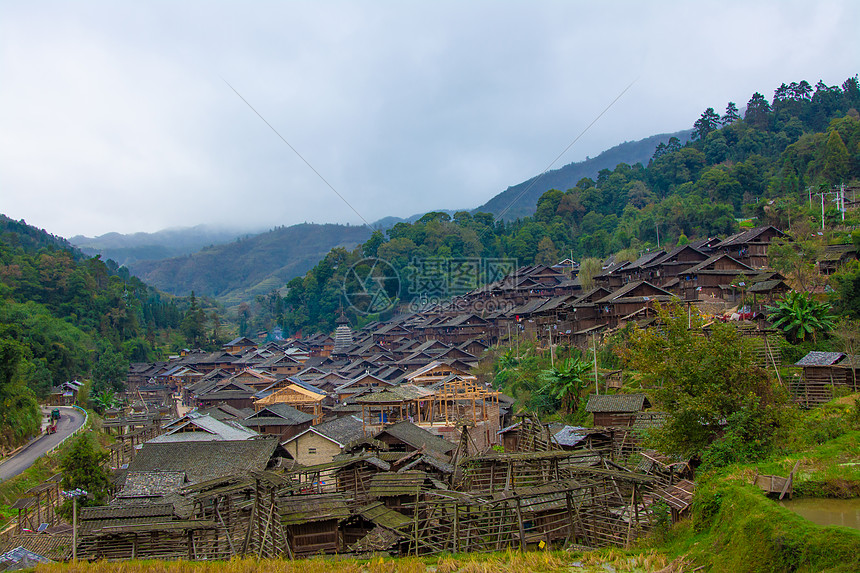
(551, 352)
(822, 211)
(842, 200)
(594, 342)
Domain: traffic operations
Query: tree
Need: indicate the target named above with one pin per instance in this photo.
(836, 159)
(566, 383)
(847, 286)
(847, 334)
(673, 145)
(731, 114)
(546, 253)
(796, 260)
(588, 269)
(104, 400)
(83, 467)
(758, 111)
(708, 122)
(110, 371)
(194, 324)
(371, 246)
(799, 315)
(709, 385)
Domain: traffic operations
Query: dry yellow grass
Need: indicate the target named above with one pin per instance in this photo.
(510, 561)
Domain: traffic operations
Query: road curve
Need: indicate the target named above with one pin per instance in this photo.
(70, 420)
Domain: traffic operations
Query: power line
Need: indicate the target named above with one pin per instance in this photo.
(553, 162)
(342, 198)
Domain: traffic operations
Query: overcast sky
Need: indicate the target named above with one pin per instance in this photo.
(115, 116)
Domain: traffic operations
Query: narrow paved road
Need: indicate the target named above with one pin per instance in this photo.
(70, 420)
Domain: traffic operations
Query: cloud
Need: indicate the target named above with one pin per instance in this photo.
(115, 116)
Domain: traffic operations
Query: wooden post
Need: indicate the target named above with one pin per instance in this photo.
(520, 524)
(74, 529)
(630, 517)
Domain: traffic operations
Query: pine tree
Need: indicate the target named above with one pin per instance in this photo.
(731, 114)
(708, 122)
(758, 111)
(836, 159)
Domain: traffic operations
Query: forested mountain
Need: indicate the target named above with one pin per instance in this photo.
(515, 206)
(756, 166)
(164, 244)
(238, 271)
(65, 316)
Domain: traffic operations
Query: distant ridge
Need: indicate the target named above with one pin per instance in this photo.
(565, 178)
(239, 270)
(164, 244)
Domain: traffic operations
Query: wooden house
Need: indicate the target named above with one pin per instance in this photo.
(358, 385)
(279, 419)
(834, 256)
(197, 427)
(230, 392)
(639, 270)
(312, 522)
(666, 267)
(398, 490)
(822, 373)
(750, 247)
(254, 379)
(202, 461)
(282, 365)
(300, 395)
(634, 300)
(464, 327)
(712, 278)
(392, 405)
(239, 345)
(435, 371)
(321, 443)
(407, 437)
(584, 312)
(616, 409)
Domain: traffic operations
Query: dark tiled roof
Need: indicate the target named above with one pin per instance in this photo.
(286, 414)
(342, 430)
(711, 260)
(151, 483)
(622, 292)
(394, 484)
(206, 460)
(816, 358)
(745, 237)
(766, 286)
(418, 438)
(616, 403)
(313, 508)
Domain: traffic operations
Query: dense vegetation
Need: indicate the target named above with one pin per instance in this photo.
(65, 316)
(519, 200)
(761, 166)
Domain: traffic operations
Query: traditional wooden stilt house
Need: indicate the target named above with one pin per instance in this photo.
(823, 372)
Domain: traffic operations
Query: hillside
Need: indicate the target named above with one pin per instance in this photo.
(758, 166)
(237, 271)
(164, 244)
(630, 152)
(63, 317)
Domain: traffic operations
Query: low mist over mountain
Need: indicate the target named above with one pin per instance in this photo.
(514, 207)
(164, 244)
(239, 270)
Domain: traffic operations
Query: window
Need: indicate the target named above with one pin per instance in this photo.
(312, 451)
